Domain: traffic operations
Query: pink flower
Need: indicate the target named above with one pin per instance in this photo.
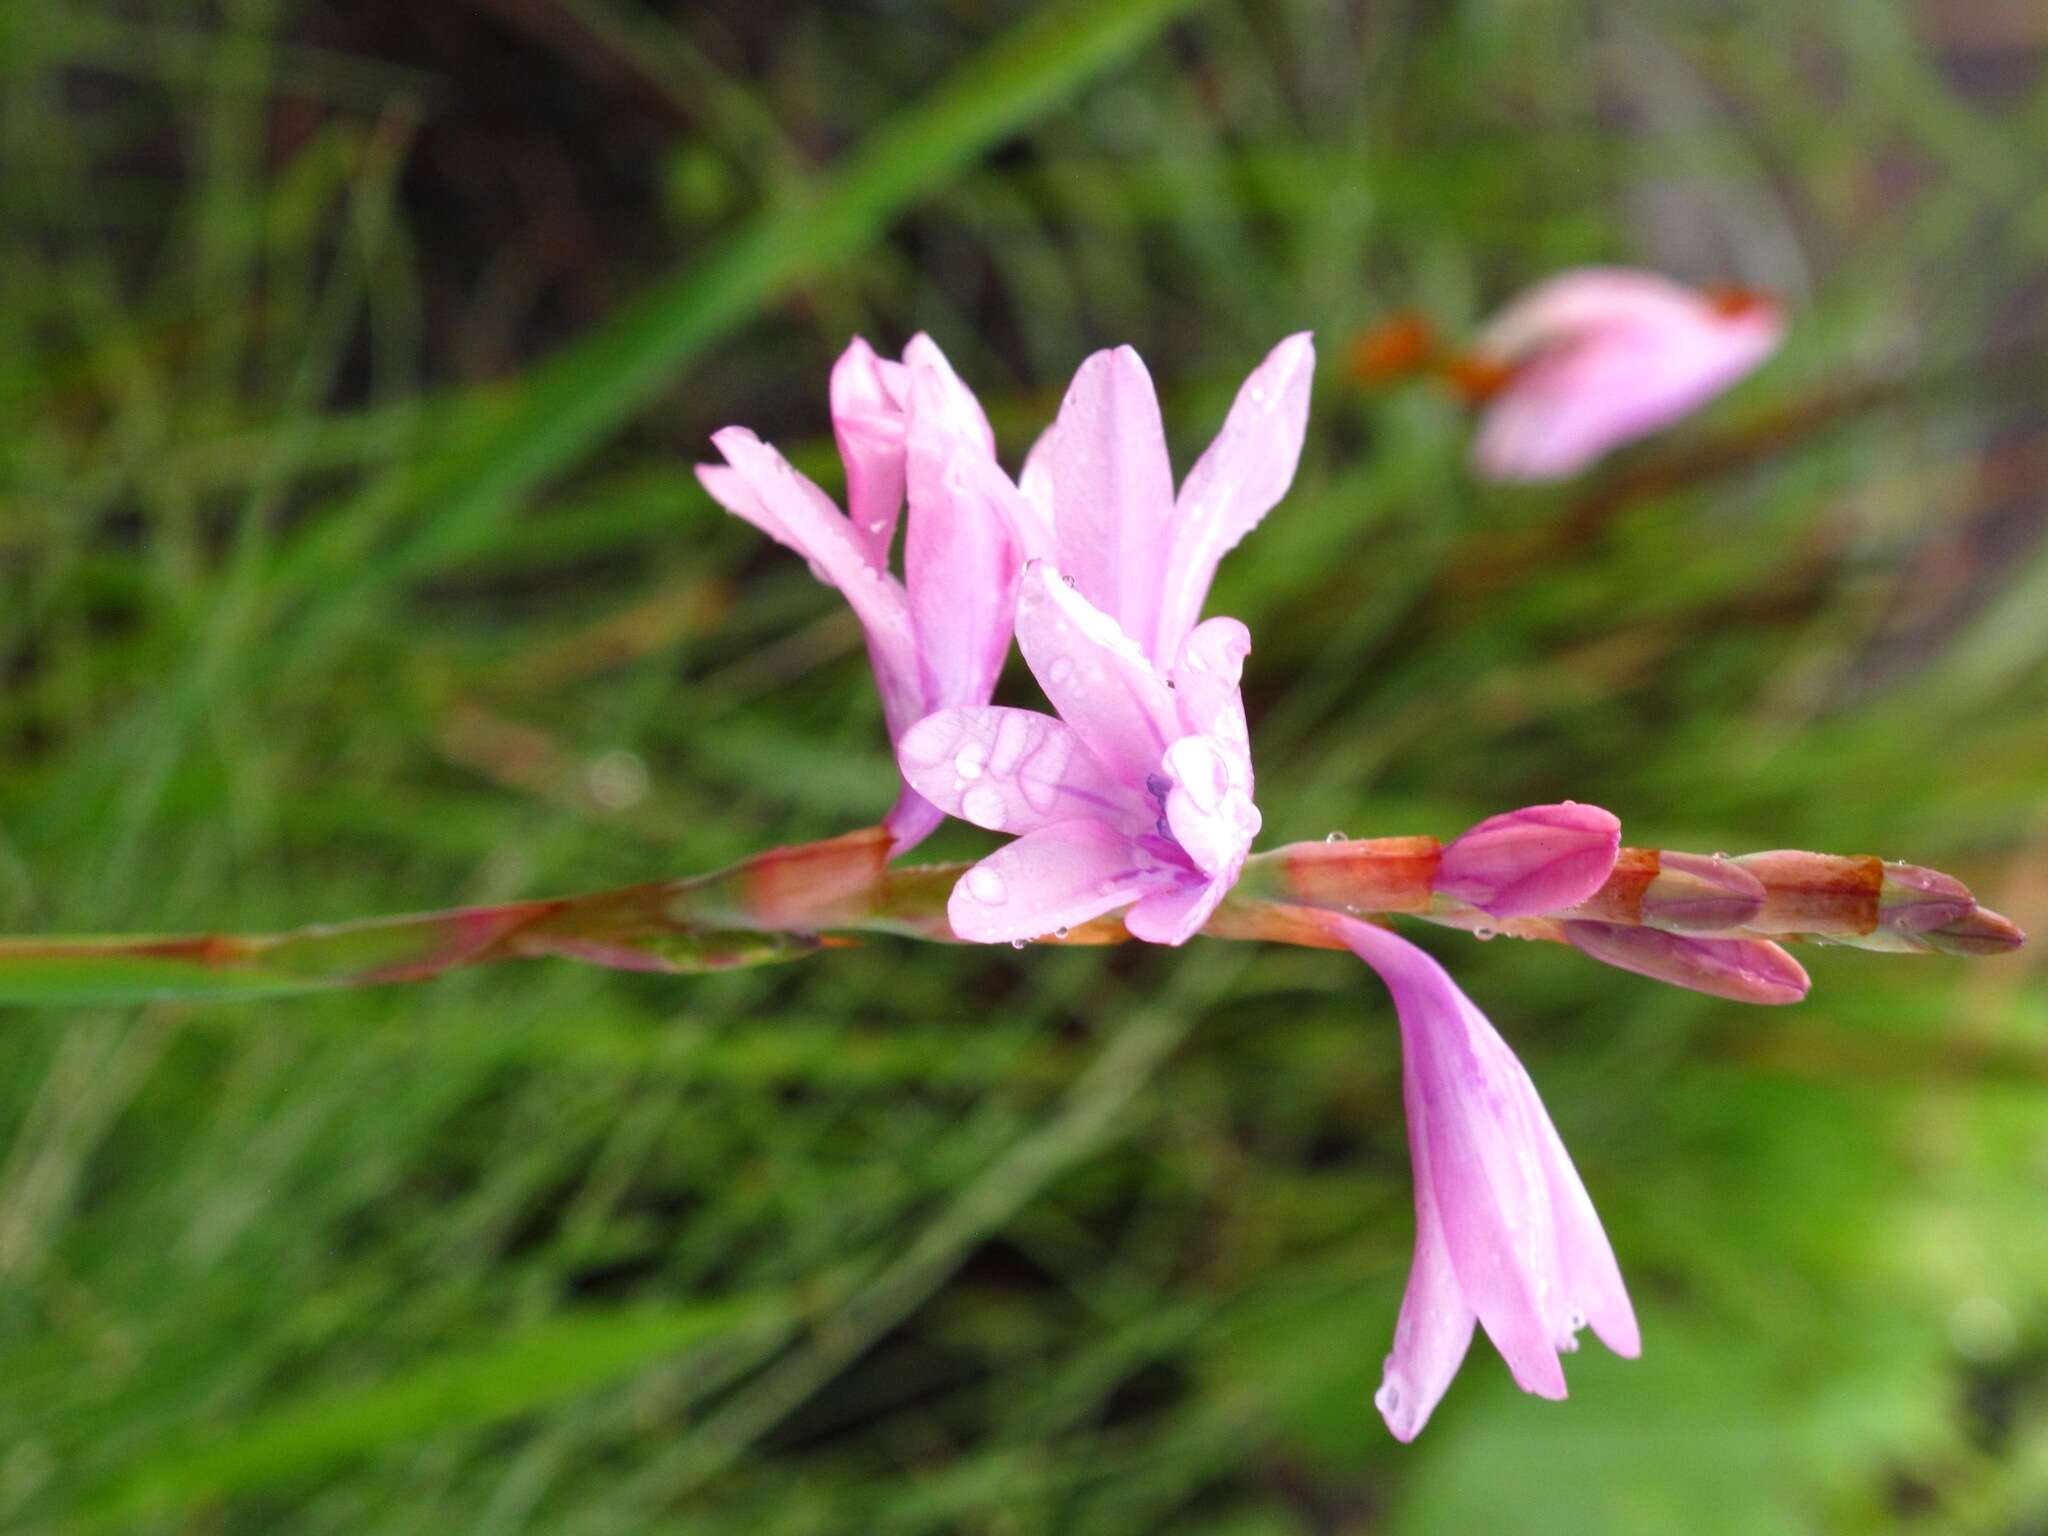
(1601, 356)
(1139, 795)
(1505, 1234)
(939, 636)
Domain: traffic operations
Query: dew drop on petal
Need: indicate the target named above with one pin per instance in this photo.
(1061, 932)
(1061, 669)
(970, 760)
(1019, 943)
(1335, 837)
(986, 885)
(984, 805)
(1482, 934)
(1068, 580)
(1391, 1397)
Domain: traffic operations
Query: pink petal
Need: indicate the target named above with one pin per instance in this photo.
(1048, 879)
(1241, 477)
(1176, 915)
(1205, 681)
(1434, 1331)
(763, 488)
(1585, 299)
(1113, 489)
(867, 422)
(1035, 485)
(962, 413)
(960, 563)
(1590, 1285)
(1538, 859)
(1010, 770)
(910, 821)
(1095, 676)
(1209, 805)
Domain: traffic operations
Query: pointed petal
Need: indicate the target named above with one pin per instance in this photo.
(962, 413)
(1741, 970)
(1035, 485)
(1048, 879)
(960, 564)
(1095, 676)
(1176, 915)
(1241, 477)
(1591, 1289)
(867, 422)
(1541, 858)
(1010, 770)
(1113, 489)
(1434, 1331)
(763, 488)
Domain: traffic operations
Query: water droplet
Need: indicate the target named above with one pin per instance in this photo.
(985, 806)
(1482, 934)
(968, 763)
(1061, 669)
(1576, 1321)
(1069, 581)
(1019, 943)
(1391, 1398)
(986, 885)
(1061, 932)
(1335, 837)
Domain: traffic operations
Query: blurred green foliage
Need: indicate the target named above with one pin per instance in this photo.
(354, 357)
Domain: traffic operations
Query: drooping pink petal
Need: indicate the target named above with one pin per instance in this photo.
(1242, 476)
(1539, 859)
(1048, 879)
(960, 563)
(1112, 489)
(1526, 1254)
(867, 422)
(1435, 1327)
(1010, 770)
(766, 490)
(1095, 676)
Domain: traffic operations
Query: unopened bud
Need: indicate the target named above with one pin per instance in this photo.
(1542, 858)
(1742, 970)
(1912, 899)
(1983, 932)
(1691, 893)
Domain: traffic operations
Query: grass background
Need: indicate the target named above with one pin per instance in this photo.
(353, 358)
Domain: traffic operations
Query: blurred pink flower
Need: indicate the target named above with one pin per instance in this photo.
(1140, 792)
(905, 430)
(1601, 356)
(1505, 1234)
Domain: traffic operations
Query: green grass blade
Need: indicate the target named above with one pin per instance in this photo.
(460, 1390)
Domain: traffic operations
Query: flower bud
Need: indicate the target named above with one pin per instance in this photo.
(1691, 893)
(1983, 932)
(1742, 970)
(1912, 899)
(1539, 859)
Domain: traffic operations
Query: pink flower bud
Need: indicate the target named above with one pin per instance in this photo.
(1539, 859)
(1742, 970)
